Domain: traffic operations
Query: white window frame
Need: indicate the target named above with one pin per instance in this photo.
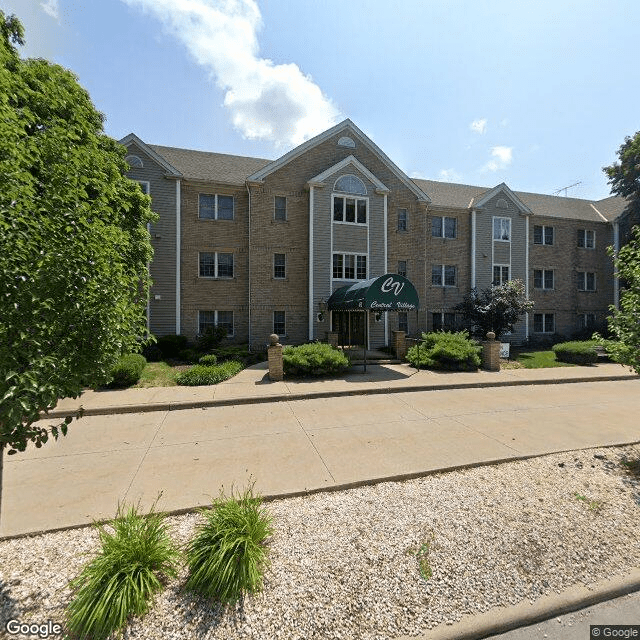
(284, 333)
(215, 317)
(404, 218)
(275, 277)
(404, 315)
(406, 268)
(344, 198)
(442, 322)
(582, 285)
(147, 186)
(493, 228)
(216, 209)
(544, 280)
(443, 275)
(137, 160)
(582, 320)
(443, 226)
(544, 228)
(275, 209)
(584, 238)
(544, 322)
(216, 276)
(357, 180)
(502, 266)
(355, 265)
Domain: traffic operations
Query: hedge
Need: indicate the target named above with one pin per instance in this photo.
(127, 370)
(577, 352)
(315, 359)
(443, 350)
(202, 374)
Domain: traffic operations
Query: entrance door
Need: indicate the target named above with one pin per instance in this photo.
(340, 324)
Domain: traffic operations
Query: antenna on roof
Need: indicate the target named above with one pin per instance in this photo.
(575, 184)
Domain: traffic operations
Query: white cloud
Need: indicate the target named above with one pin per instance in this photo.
(501, 158)
(479, 126)
(50, 7)
(266, 101)
(449, 175)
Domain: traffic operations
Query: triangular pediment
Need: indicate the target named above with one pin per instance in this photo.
(349, 131)
(132, 138)
(501, 189)
(349, 161)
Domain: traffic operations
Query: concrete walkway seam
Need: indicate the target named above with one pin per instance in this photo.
(343, 486)
(284, 397)
(503, 619)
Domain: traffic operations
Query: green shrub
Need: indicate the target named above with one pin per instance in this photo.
(171, 346)
(240, 353)
(202, 374)
(211, 338)
(315, 359)
(577, 352)
(192, 356)
(123, 578)
(152, 352)
(227, 556)
(127, 370)
(209, 359)
(449, 351)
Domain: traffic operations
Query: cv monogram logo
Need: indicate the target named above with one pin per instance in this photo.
(391, 285)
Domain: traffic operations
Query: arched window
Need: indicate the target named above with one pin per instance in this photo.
(350, 184)
(134, 162)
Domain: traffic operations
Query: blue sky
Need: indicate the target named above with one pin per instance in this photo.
(539, 94)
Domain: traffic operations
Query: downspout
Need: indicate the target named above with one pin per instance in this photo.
(473, 248)
(311, 263)
(526, 275)
(149, 289)
(386, 267)
(616, 278)
(178, 223)
(249, 263)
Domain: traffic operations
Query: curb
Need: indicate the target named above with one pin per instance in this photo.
(284, 397)
(503, 619)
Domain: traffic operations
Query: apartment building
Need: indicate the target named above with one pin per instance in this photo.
(259, 246)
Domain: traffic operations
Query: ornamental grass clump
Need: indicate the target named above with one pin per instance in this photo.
(449, 351)
(120, 582)
(227, 557)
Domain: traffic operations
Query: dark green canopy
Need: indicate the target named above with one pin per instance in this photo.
(389, 292)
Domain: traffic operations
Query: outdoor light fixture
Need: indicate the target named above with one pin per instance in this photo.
(322, 305)
(378, 316)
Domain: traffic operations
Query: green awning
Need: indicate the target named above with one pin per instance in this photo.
(389, 292)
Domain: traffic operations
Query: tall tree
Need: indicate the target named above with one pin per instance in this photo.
(624, 323)
(496, 308)
(74, 245)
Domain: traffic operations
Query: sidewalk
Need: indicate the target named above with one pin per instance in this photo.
(252, 385)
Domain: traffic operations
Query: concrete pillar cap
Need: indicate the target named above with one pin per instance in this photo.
(491, 335)
(273, 339)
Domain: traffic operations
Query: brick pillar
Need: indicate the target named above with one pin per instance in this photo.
(274, 351)
(332, 338)
(491, 353)
(400, 344)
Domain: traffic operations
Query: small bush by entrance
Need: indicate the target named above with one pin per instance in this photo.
(577, 352)
(315, 359)
(448, 351)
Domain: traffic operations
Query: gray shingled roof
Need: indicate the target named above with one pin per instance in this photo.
(229, 169)
(210, 167)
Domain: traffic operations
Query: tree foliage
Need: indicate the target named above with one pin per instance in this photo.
(496, 308)
(74, 246)
(624, 175)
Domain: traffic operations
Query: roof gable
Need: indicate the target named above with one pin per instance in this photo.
(349, 129)
(505, 191)
(318, 181)
(132, 138)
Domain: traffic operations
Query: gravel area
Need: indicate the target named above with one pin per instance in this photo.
(346, 564)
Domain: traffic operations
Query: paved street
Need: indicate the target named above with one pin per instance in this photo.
(299, 445)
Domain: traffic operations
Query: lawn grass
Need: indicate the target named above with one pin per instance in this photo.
(538, 359)
(158, 374)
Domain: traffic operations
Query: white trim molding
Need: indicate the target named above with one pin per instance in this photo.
(616, 278)
(178, 257)
(311, 262)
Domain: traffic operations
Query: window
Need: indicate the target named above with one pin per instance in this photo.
(586, 238)
(402, 268)
(280, 208)
(350, 184)
(444, 227)
(500, 274)
(215, 207)
(145, 186)
(349, 266)
(543, 278)
(279, 323)
(502, 229)
(586, 281)
(543, 323)
(402, 219)
(586, 320)
(444, 321)
(542, 235)
(215, 265)
(210, 319)
(443, 275)
(351, 210)
(135, 162)
(403, 321)
(279, 265)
